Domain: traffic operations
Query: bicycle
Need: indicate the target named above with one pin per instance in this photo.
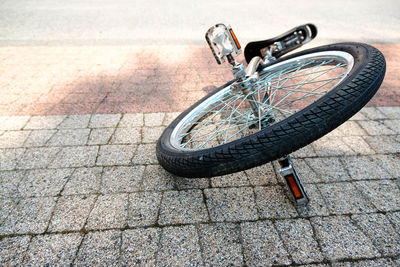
(273, 107)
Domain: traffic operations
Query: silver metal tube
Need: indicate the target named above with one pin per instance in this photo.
(253, 65)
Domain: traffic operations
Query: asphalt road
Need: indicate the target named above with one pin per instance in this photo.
(30, 22)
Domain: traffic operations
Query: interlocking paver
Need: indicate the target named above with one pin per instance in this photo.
(11, 139)
(384, 194)
(9, 157)
(298, 237)
(262, 175)
(156, 178)
(330, 147)
(145, 154)
(350, 128)
(110, 211)
(59, 249)
(104, 120)
(13, 122)
(37, 157)
(100, 136)
(328, 169)
(69, 137)
(179, 246)
(44, 122)
(153, 119)
(75, 156)
(364, 263)
(9, 182)
(38, 138)
(379, 229)
(394, 125)
(364, 168)
(151, 134)
(272, 202)
(234, 179)
(83, 181)
(75, 122)
(262, 245)
(231, 204)
(395, 219)
(12, 250)
(140, 246)
(71, 212)
(372, 113)
(121, 179)
(6, 207)
(317, 205)
(375, 128)
(181, 207)
(390, 112)
(44, 182)
(100, 248)
(191, 183)
(115, 154)
(126, 136)
(358, 145)
(221, 244)
(391, 163)
(143, 208)
(344, 198)
(340, 238)
(383, 144)
(132, 120)
(32, 215)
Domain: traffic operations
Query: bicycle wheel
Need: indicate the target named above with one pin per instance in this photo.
(300, 98)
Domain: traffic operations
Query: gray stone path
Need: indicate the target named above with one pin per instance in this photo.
(87, 190)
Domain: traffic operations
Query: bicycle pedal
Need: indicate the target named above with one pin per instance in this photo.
(223, 42)
(293, 180)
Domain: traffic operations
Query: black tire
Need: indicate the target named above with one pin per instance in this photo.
(288, 135)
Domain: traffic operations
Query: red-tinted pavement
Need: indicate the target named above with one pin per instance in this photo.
(50, 80)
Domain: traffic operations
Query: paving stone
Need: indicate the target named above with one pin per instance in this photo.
(9, 182)
(57, 249)
(71, 213)
(181, 207)
(153, 119)
(365, 263)
(339, 238)
(328, 169)
(358, 145)
(317, 205)
(9, 158)
(272, 202)
(32, 215)
(391, 163)
(140, 246)
(77, 156)
(372, 113)
(143, 208)
(110, 211)
(221, 244)
(83, 181)
(12, 250)
(379, 229)
(330, 147)
(37, 157)
(44, 122)
(44, 182)
(75, 122)
(307, 174)
(375, 128)
(351, 128)
(104, 120)
(358, 117)
(383, 144)
(394, 217)
(191, 183)
(100, 136)
(100, 249)
(298, 237)
(231, 204)
(170, 117)
(121, 179)
(233, 179)
(11, 139)
(262, 175)
(38, 137)
(151, 134)
(307, 151)
(262, 245)
(390, 112)
(8, 123)
(179, 246)
(394, 125)
(132, 120)
(115, 154)
(126, 136)
(145, 154)
(364, 168)
(156, 178)
(69, 137)
(6, 207)
(344, 198)
(384, 194)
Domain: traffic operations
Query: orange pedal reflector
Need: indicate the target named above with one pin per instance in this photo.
(234, 38)
(293, 186)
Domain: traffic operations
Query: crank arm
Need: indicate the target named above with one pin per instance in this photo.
(281, 44)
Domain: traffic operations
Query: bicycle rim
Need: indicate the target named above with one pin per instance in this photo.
(282, 90)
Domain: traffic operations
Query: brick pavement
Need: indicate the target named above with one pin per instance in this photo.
(80, 184)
